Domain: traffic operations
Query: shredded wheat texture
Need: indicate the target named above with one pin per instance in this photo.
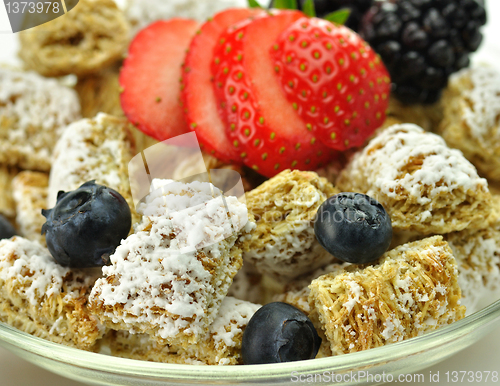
(42, 298)
(412, 290)
(30, 193)
(471, 110)
(158, 283)
(97, 149)
(426, 187)
(34, 112)
(220, 346)
(7, 203)
(477, 253)
(100, 93)
(285, 206)
(90, 37)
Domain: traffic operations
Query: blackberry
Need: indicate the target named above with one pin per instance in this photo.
(422, 42)
(324, 7)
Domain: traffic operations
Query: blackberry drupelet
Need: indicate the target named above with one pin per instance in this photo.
(422, 42)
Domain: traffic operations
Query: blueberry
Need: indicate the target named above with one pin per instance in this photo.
(279, 332)
(353, 227)
(6, 228)
(86, 225)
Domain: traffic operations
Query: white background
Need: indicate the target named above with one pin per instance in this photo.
(482, 356)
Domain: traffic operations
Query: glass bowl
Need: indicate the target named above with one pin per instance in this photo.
(375, 366)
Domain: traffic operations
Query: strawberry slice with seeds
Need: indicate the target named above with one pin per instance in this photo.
(150, 78)
(333, 79)
(260, 122)
(197, 95)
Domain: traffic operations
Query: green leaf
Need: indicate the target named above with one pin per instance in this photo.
(285, 4)
(339, 17)
(254, 4)
(308, 8)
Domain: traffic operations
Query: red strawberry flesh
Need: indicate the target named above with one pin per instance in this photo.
(261, 123)
(150, 78)
(198, 98)
(334, 80)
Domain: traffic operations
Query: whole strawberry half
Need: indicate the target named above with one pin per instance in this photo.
(260, 122)
(197, 95)
(333, 79)
(150, 78)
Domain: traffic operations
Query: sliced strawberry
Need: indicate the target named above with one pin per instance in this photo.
(197, 95)
(261, 123)
(335, 81)
(150, 78)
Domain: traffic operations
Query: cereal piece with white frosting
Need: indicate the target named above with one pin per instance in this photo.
(42, 298)
(90, 37)
(220, 346)
(34, 112)
(30, 194)
(284, 244)
(412, 290)
(425, 186)
(478, 259)
(471, 109)
(97, 149)
(168, 279)
(140, 13)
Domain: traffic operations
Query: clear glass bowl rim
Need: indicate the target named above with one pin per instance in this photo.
(269, 372)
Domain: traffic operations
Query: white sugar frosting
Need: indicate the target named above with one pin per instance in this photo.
(233, 315)
(36, 101)
(442, 169)
(85, 153)
(166, 264)
(483, 102)
(33, 269)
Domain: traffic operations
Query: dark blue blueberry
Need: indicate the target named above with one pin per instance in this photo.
(86, 225)
(353, 227)
(279, 332)
(6, 228)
